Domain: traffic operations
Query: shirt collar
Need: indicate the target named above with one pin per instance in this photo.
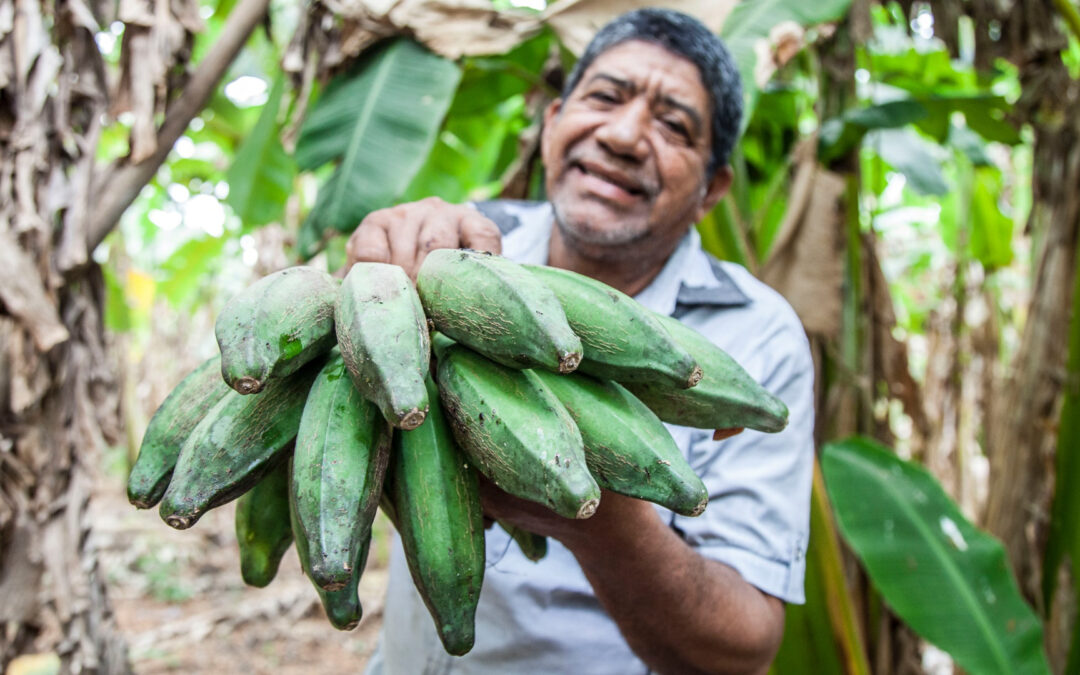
(691, 278)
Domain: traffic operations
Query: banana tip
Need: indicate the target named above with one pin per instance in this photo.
(180, 522)
(588, 509)
(247, 385)
(695, 376)
(348, 625)
(699, 509)
(413, 419)
(569, 362)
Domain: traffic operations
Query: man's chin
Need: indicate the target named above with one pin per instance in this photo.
(599, 227)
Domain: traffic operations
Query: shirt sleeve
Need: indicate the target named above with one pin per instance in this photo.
(757, 520)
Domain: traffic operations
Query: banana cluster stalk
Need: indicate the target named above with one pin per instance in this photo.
(330, 404)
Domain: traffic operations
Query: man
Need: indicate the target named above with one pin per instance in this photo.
(635, 153)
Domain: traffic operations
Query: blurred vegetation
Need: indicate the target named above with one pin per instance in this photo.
(933, 161)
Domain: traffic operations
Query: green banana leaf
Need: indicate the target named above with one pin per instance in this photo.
(930, 113)
(751, 21)
(949, 581)
(378, 121)
(261, 176)
(825, 631)
(913, 156)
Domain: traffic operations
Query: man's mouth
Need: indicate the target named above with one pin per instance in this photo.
(610, 183)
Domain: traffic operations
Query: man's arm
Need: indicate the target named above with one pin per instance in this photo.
(678, 611)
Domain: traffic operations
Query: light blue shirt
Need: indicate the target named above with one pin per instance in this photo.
(543, 617)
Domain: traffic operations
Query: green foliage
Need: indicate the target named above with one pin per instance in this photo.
(378, 122)
(261, 176)
(486, 82)
(991, 230)
(822, 632)
(931, 115)
(750, 22)
(188, 268)
(117, 313)
(946, 579)
(917, 159)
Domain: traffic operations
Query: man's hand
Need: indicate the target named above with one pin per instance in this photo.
(403, 235)
(680, 612)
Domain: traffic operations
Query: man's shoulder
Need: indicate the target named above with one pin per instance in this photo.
(743, 329)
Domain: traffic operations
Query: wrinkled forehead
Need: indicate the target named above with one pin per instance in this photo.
(645, 64)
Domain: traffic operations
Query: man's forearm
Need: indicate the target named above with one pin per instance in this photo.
(680, 612)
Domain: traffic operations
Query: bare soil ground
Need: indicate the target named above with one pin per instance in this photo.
(183, 608)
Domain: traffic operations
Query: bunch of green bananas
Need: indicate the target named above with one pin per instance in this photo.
(551, 384)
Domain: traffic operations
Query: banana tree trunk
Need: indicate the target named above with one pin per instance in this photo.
(1022, 433)
(58, 394)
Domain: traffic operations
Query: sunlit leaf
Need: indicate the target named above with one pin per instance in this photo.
(949, 581)
(261, 176)
(223, 122)
(970, 143)
(908, 153)
(922, 72)
(378, 121)
(187, 169)
(117, 312)
(188, 268)
(463, 158)
(991, 230)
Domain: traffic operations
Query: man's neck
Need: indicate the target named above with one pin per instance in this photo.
(628, 273)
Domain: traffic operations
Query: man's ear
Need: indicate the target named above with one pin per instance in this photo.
(715, 190)
(550, 113)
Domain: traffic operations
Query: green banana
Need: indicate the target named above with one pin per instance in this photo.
(172, 423)
(621, 340)
(342, 448)
(627, 447)
(383, 337)
(262, 527)
(497, 308)
(435, 503)
(275, 326)
(342, 606)
(726, 397)
(533, 546)
(516, 432)
(236, 444)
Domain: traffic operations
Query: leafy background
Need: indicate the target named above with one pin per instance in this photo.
(887, 181)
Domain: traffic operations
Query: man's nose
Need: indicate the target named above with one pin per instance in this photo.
(624, 131)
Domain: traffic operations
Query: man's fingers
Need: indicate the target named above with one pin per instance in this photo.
(367, 244)
(436, 233)
(721, 434)
(403, 241)
(479, 233)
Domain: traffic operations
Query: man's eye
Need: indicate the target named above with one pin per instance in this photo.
(603, 96)
(676, 126)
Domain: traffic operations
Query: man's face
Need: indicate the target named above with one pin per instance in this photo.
(626, 153)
